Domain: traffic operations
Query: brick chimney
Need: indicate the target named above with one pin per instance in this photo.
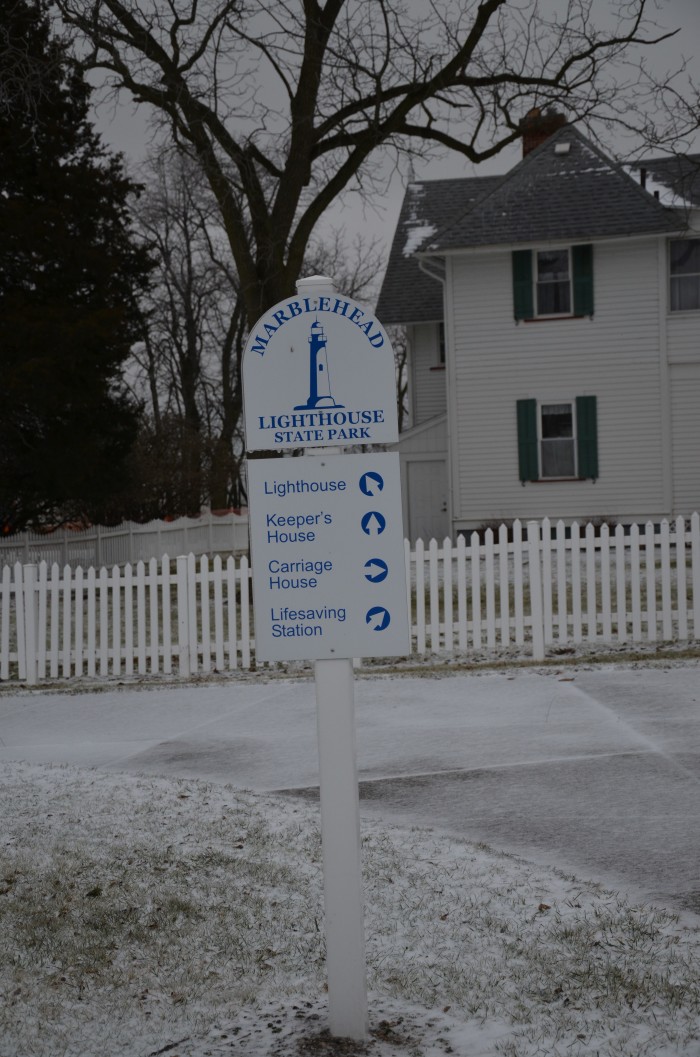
(536, 127)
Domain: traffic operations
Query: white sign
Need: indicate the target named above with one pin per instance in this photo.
(328, 557)
(318, 370)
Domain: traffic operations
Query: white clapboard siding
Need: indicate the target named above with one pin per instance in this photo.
(535, 587)
(428, 392)
(494, 362)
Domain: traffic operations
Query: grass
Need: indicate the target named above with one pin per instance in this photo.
(143, 910)
(113, 912)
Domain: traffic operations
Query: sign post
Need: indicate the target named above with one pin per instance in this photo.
(346, 969)
(328, 563)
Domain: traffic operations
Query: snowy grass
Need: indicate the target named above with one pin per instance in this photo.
(145, 916)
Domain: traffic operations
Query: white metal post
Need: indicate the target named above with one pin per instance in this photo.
(342, 867)
(346, 967)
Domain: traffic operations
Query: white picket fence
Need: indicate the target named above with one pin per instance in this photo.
(128, 542)
(546, 587)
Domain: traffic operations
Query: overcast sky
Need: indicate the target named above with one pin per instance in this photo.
(126, 128)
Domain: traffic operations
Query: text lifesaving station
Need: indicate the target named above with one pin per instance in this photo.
(326, 529)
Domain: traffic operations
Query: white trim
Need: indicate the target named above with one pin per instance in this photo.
(584, 240)
(454, 499)
(437, 274)
(414, 431)
(665, 411)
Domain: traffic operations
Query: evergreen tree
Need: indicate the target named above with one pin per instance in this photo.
(70, 274)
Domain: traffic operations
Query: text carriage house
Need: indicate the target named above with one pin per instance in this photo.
(553, 321)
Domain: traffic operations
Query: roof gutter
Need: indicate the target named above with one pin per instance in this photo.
(434, 267)
(500, 247)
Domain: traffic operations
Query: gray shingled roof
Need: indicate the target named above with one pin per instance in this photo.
(675, 180)
(576, 195)
(581, 194)
(408, 295)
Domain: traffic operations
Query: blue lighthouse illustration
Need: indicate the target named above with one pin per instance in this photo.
(319, 378)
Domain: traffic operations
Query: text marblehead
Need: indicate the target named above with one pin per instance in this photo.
(268, 326)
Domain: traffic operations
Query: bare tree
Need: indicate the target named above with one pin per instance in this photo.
(186, 370)
(675, 106)
(287, 104)
(187, 310)
(399, 343)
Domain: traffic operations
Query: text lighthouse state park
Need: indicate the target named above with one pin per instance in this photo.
(312, 364)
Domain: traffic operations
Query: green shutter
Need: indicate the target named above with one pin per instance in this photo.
(582, 267)
(522, 284)
(527, 440)
(587, 436)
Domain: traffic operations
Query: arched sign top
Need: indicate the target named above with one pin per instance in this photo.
(318, 370)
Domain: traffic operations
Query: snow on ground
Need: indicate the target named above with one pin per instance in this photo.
(143, 916)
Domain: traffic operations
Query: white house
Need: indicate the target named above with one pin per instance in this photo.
(553, 318)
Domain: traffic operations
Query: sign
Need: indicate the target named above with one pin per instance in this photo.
(329, 580)
(318, 370)
(329, 576)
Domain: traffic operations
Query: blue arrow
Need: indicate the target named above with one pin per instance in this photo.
(373, 523)
(376, 570)
(371, 483)
(378, 618)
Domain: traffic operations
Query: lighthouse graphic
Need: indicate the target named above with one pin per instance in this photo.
(319, 379)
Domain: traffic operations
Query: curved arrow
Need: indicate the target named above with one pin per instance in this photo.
(371, 482)
(378, 618)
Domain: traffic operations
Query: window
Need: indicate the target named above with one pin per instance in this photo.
(557, 441)
(685, 274)
(557, 445)
(441, 344)
(551, 283)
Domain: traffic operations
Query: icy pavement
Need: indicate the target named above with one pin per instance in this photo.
(593, 769)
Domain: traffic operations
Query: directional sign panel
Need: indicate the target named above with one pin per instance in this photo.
(328, 557)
